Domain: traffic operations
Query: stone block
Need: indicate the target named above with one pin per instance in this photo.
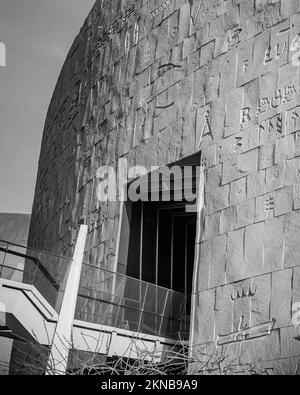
(184, 22)
(207, 53)
(273, 244)
(228, 219)
(279, 45)
(293, 120)
(254, 246)
(228, 72)
(266, 156)
(260, 302)
(205, 322)
(260, 5)
(245, 213)
(251, 137)
(244, 165)
(218, 199)
(218, 261)
(284, 199)
(224, 310)
(297, 143)
(270, 347)
(189, 47)
(204, 132)
(221, 45)
(252, 94)
(234, 103)
(213, 177)
(291, 240)
(222, 7)
(271, 129)
(241, 308)
(208, 156)
(235, 256)
(289, 7)
(283, 367)
(292, 172)
(184, 98)
(238, 191)
(281, 301)
(265, 207)
(290, 345)
(247, 9)
(294, 38)
(288, 87)
(218, 110)
(203, 35)
(284, 149)
(173, 21)
(270, 100)
(261, 47)
(163, 42)
(296, 190)
(203, 266)
(212, 80)
(245, 66)
(256, 184)
(193, 62)
(211, 226)
(275, 177)
(229, 148)
(296, 285)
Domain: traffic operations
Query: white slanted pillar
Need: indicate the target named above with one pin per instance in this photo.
(200, 208)
(59, 353)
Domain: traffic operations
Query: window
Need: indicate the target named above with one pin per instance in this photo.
(157, 241)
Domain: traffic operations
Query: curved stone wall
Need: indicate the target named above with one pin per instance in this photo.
(155, 81)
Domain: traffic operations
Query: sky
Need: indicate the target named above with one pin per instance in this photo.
(38, 35)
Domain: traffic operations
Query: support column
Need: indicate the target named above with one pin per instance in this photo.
(58, 360)
(200, 208)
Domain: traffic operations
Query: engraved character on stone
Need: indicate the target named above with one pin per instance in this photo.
(276, 99)
(263, 105)
(268, 56)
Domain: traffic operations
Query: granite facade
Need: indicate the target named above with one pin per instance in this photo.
(155, 81)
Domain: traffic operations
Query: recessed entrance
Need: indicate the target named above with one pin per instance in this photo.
(157, 244)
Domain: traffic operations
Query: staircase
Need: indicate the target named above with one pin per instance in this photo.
(110, 318)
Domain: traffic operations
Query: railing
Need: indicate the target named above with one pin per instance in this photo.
(46, 272)
(119, 301)
(104, 298)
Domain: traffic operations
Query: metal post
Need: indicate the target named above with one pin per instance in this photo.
(61, 345)
(3, 262)
(164, 312)
(143, 308)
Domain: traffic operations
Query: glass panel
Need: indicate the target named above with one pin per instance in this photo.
(179, 254)
(46, 272)
(131, 304)
(149, 244)
(132, 265)
(14, 264)
(164, 249)
(150, 324)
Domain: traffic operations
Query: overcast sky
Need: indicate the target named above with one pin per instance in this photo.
(38, 35)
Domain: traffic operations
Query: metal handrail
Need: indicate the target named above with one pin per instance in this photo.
(34, 249)
(135, 279)
(115, 300)
(37, 263)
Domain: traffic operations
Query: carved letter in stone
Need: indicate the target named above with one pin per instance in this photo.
(242, 293)
(246, 115)
(206, 128)
(246, 334)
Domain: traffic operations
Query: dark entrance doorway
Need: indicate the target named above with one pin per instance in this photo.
(158, 238)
